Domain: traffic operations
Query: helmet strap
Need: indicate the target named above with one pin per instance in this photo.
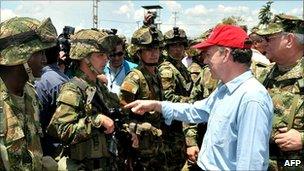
(148, 64)
(29, 72)
(94, 70)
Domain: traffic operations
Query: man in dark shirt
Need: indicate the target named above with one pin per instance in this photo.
(48, 88)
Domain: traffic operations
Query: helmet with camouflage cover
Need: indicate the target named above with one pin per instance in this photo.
(146, 37)
(20, 37)
(176, 35)
(193, 52)
(88, 41)
(283, 23)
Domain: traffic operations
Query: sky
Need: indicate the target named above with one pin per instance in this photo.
(194, 17)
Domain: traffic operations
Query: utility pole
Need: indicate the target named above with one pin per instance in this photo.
(95, 13)
(175, 13)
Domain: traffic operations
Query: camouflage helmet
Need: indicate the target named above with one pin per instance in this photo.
(176, 35)
(283, 23)
(20, 37)
(193, 52)
(87, 41)
(122, 37)
(147, 37)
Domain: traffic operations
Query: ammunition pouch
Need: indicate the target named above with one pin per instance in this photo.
(150, 138)
(95, 147)
(149, 144)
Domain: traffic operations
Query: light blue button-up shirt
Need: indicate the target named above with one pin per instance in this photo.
(239, 115)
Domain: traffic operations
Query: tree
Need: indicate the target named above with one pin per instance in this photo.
(265, 14)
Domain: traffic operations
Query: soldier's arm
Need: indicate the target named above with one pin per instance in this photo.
(169, 85)
(70, 123)
(129, 88)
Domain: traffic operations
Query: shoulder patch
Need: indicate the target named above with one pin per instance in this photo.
(131, 83)
(133, 75)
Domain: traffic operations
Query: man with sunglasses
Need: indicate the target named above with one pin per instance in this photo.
(285, 83)
(117, 68)
(23, 42)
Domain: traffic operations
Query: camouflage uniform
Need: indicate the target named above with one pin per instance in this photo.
(202, 88)
(141, 84)
(20, 130)
(258, 69)
(287, 91)
(197, 64)
(80, 106)
(177, 84)
(194, 70)
(204, 85)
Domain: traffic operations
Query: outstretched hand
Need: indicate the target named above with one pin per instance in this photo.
(142, 106)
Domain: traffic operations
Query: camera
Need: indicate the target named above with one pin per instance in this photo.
(64, 43)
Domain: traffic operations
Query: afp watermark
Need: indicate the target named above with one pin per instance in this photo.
(292, 163)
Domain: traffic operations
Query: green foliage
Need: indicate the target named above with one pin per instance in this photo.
(265, 13)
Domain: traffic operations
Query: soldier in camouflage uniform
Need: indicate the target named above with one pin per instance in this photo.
(202, 88)
(143, 82)
(196, 66)
(177, 84)
(285, 83)
(23, 42)
(80, 119)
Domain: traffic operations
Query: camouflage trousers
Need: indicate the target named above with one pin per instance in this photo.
(148, 156)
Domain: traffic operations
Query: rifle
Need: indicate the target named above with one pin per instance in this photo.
(119, 142)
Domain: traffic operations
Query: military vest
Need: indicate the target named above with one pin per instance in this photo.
(81, 97)
(144, 86)
(178, 90)
(20, 131)
(141, 84)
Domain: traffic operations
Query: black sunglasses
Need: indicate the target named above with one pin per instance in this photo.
(116, 54)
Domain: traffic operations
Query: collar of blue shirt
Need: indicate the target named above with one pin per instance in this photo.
(237, 81)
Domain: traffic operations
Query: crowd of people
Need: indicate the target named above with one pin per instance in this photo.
(228, 100)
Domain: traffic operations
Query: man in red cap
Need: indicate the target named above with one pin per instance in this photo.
(239, 112)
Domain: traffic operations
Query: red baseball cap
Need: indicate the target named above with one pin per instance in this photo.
(226, 35)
